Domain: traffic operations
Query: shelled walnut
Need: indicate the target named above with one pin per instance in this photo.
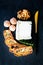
(23, 14)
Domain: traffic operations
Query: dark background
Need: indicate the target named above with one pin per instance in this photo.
(8, 9)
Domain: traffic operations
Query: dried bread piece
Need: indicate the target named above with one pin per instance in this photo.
(14, 47)
(22, 51)
(7, 34)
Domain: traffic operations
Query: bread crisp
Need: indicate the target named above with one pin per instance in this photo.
(14, 47)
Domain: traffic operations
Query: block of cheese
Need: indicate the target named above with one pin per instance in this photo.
(23, 30)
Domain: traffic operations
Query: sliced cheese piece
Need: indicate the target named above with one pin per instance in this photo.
(23, 30)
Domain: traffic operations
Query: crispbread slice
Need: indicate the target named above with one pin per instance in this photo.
(16, 48)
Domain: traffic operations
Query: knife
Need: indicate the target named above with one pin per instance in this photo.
(36, 30)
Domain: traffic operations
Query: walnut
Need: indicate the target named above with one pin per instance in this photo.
(23, 14)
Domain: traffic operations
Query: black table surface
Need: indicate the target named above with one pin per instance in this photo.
(8, 9)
